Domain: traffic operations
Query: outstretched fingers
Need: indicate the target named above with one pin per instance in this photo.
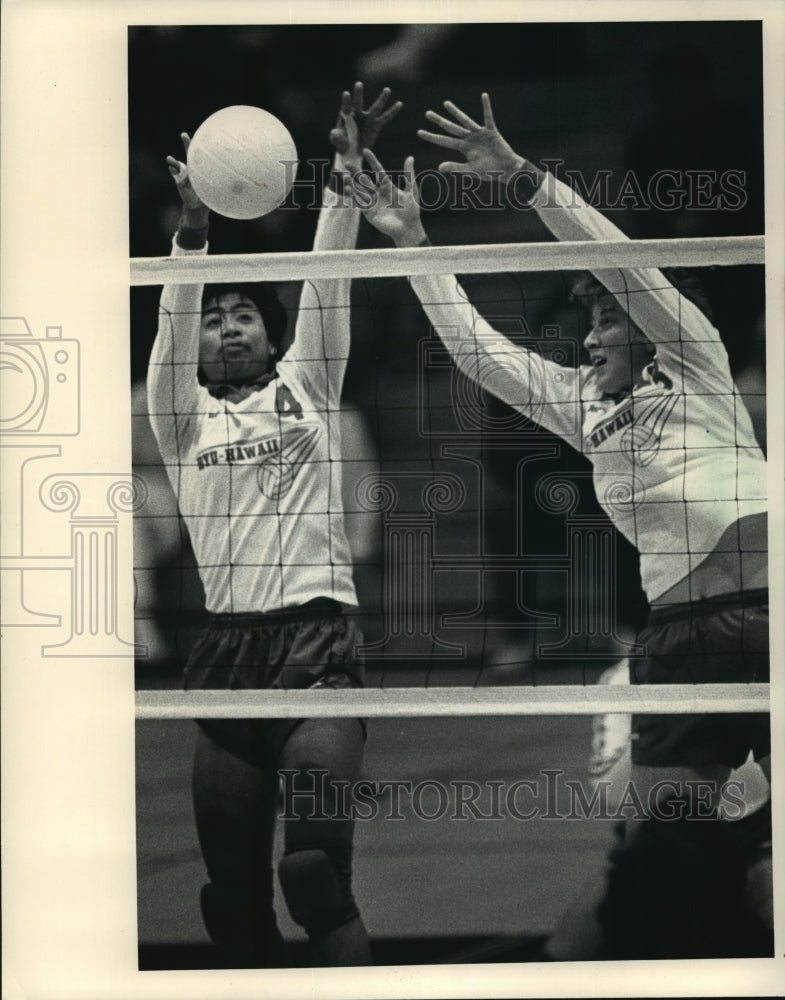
(390, 113)
(363, 190)
(375, 164)
(381, 100)
(452, 128)
(461, 116)
(453, 167)
(377, 110)
(177, 168)
(487, 112)
(408, 172)
(358, 98)
(440, 140)
(367, 122)
(350, 131)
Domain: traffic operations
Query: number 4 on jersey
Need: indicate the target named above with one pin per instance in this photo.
(286, 403)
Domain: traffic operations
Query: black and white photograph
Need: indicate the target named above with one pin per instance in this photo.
(394, 493)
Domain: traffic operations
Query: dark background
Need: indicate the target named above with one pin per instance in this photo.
(624, 97)
(639, 97)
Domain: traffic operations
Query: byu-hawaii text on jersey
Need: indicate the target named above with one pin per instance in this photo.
(258, 481)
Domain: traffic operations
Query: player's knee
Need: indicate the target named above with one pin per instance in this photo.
(317, 893)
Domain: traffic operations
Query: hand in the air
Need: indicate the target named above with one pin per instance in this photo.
(394, 211)
(487, 152)
(357, 127)
(179, 171)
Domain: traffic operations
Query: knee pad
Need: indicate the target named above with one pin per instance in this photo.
(318, 895)
(243, 926)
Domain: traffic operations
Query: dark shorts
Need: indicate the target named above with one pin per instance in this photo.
(305, 647)
(720, 640)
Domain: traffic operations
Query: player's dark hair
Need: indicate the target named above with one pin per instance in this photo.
(587, 289)
(264, 297)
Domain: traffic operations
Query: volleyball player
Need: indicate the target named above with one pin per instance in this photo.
(656, 412)
(251, 445)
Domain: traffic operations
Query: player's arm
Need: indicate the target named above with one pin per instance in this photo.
(653, 304)
(172, 386)
(321, 344)
(684, 335)
(543, 391)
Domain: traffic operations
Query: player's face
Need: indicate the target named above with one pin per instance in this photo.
(233, 344)
(618, 350)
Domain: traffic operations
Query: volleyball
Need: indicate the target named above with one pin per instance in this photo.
(242, 162)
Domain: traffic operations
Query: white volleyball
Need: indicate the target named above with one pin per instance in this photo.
(242, 162)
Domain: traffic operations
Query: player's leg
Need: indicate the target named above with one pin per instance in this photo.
(234, 805)
(674, 888)
(578, 936)
(316, 869)
(676, 884)
(619, 914)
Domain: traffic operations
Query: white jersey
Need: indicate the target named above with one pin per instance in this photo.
(675, 463)
(258, 481)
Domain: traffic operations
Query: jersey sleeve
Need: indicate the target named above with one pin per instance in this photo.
(541, 390)
(688, 345)
(173, 391)
(317, 359)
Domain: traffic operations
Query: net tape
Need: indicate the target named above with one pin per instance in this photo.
(480, 259)
(567, 699)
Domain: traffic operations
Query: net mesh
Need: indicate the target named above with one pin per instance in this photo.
(479, 537)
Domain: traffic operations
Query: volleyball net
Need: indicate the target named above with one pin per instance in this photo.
(490, 581)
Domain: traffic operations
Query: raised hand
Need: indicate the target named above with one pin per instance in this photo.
(179, 171)
(357, 127)
(487, 152)
(394, 211)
